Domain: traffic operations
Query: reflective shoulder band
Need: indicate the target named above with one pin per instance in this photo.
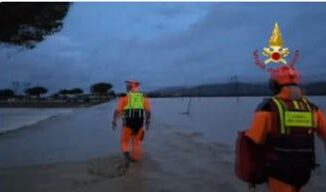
(280, 112)
(296, 105)
(312, 112)
(306, 102)
(129, 101)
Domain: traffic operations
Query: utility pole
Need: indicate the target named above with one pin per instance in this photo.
(236, 83)
(187, 112)
(188, 108)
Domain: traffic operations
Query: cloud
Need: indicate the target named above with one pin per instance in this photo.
(170, 44)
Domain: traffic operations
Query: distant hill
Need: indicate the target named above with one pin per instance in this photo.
(231, 89)
(316, 88)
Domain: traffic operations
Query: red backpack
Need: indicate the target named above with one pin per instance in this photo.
(250, 164)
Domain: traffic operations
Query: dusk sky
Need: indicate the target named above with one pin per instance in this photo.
(167, 44)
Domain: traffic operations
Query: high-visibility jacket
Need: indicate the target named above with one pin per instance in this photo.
(133, 107)
(265, 121)
(135, 101)
(290, 145)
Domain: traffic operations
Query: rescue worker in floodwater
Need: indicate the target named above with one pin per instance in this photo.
(286, 124)
(135, 110)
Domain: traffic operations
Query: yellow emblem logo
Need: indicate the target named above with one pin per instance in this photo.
(276, 52)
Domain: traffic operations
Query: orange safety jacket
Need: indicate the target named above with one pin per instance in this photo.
(290, 146)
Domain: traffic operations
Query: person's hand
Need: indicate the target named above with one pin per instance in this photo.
(147, 123)
(114, 125)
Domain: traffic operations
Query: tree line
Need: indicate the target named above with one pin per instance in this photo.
(101, 89)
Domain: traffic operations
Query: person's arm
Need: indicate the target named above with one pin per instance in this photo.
(261, 122)
(321, 126)
(259, 127)
(147, 107)
(115, 118)
(117, 112)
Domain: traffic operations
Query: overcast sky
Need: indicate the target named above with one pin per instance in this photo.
(167, 44)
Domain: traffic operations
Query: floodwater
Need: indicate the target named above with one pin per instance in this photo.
(87, 132)
(12, 119)
(190, 146)
(80, 135)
